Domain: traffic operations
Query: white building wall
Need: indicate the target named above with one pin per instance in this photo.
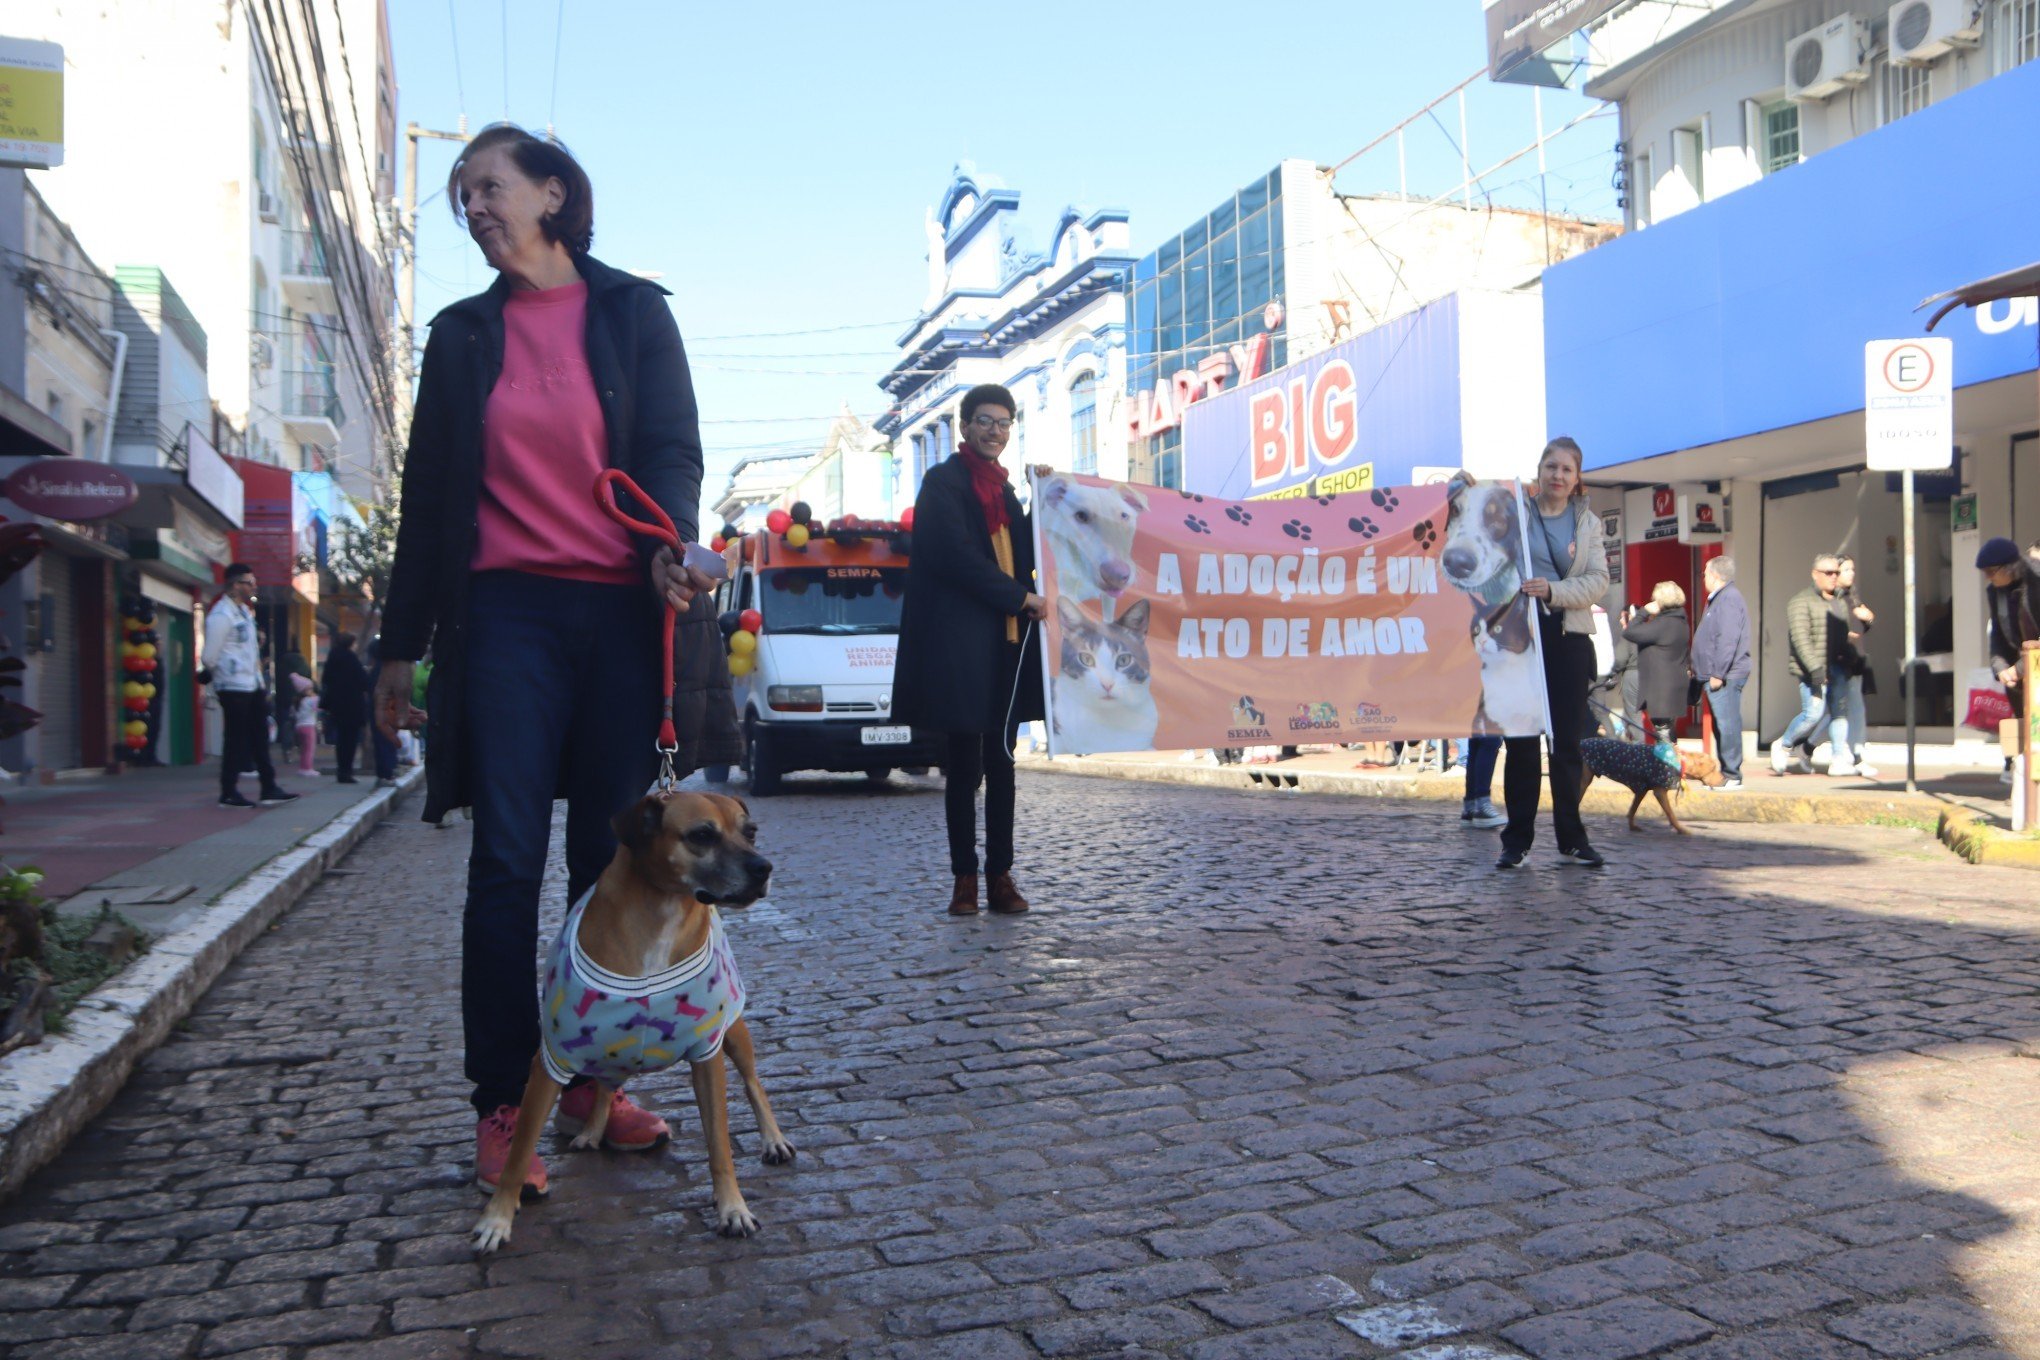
(1501, 383)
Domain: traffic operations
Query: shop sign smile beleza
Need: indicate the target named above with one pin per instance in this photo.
(70, 489)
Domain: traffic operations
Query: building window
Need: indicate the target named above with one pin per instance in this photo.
(1780, 128)
(2018, 32)
(1645, 187)
(1084, 425)
(1907, 89)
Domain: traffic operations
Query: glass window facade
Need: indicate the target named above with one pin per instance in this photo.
(1084, 426)
(1199, 292)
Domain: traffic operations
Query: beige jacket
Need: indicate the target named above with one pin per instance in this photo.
(1586, 581)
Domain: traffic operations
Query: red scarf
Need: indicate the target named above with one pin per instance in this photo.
(991, 483)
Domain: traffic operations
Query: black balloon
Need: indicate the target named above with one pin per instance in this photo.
(727, 621)
(801, 513)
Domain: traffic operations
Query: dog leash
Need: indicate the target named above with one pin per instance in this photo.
(606, 483)
(1014, 701)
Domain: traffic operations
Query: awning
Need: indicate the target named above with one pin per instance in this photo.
(2010, 284)
(163, 489)
(26, 432)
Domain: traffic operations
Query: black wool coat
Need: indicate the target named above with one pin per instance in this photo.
(955, 671)
(343, 689)
(1664, 662)
(647, 397)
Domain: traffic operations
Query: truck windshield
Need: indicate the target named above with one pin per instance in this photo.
(834, 600)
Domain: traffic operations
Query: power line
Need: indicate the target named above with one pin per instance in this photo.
(504, 10)
(819, 330)
(459, 85)
(552, 107)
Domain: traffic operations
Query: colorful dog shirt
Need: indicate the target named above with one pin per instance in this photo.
(597, 1024)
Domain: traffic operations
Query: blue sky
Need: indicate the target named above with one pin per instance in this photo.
(774, 163)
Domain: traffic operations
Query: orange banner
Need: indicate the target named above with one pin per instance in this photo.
(1177, 621)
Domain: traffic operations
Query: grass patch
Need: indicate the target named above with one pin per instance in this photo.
(75, 969)
(1908, 823)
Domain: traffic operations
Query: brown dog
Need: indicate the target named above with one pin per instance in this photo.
(650, 920)
(1637, 767)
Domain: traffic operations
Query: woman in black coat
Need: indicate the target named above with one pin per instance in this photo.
(967, 663)
(1664, 657)
(543, 616)
(344, 700)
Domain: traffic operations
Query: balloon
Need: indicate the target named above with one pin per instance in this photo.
(135, 704)
(727, 621)
(801, 513)
(852, 522)
(131, 689)
(907, 519)
(740, 666)
(135, 729)
(148, 691)
(135, 663)
(777, 521)
(718, 543)
(797, 536)
(134, 743)
(750, 620)
(743, 643)
(146, 651)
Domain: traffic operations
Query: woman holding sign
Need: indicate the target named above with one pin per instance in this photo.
(966, 663)
(1569, 575)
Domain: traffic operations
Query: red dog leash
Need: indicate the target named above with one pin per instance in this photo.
(662, 529)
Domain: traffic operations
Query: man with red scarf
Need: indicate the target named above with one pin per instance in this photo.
(968, 665)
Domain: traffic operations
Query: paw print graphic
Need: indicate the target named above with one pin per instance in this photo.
(1324, 500)
(1191, 496)
(1239, 514)
(1296, 528)
(1425, 533)
(1363, 526)
(1195, 525)
(1384, 500)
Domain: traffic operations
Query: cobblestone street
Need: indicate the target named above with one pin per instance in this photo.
(1262, 1075)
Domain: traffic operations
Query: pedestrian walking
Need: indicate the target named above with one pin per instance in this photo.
(1848, 675)
(345, 704)
(1664, 657)
(1477, 808)
(2012, 604)
(962, 668)
(1721, 662)
(1809, 621)
(1569, 569)
(536, 607)
(382, 745)
(233, 661)
(306, 721)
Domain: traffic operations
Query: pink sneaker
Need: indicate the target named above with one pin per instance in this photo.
(492, 1149)
(630, 1129)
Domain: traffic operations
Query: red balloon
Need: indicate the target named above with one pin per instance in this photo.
(135, 705)
(907, 518)
(750, 620)
(136, 743)
(777, 521)
(852, 522)
(718, 543)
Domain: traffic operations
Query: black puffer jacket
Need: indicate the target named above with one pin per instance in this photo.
(647, 396)
(704, 708)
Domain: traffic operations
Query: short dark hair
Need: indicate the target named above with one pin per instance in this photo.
(988, 394)
(540, 159)
(237, 570)
(343, 640)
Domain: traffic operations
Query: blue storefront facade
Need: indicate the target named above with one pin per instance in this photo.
(1723, 348)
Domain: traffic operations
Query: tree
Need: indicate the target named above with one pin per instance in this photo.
(366, 555)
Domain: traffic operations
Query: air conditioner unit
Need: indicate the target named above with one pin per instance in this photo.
(1829, 59)
(262, 353)
(266, 206)
(1925, 30)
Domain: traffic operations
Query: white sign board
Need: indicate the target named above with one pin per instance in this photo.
(1909, 404)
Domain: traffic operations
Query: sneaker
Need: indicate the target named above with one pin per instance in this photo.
(1798, 764)
(385, 783)
(1482, 815)
(630, 1128)
(1777, 758)
(492, 1149)
(1727, 785)
(1586, 857)
(1865, 771)
(277, 797)
(235, 800)
(1510, 859)
(1841, 769)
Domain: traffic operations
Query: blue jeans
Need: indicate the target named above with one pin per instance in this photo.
(562, 700)
(1812, 708)
(1845, 731)
(1727, 705)
(1480, 754)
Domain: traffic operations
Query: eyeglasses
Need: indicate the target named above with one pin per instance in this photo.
(991, 423)
(1827, 571)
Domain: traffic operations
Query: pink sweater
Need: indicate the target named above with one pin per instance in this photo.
(544, 440)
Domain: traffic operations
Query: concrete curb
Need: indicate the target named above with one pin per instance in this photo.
(50, 1091)
(1973, 836)
(1699, 805)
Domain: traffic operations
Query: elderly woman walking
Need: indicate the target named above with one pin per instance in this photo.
(1664, 657)
(1569, 575)
(541, 613)
(962, 668)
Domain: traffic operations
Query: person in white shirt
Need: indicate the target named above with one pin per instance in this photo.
(233, 657)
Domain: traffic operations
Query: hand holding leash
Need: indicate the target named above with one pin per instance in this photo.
(677, 593)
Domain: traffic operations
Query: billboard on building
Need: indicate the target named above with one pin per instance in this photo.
(31, 103)
(1519, 32)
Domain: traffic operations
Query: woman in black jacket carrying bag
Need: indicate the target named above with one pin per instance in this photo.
(1664, 657)
(967, 664)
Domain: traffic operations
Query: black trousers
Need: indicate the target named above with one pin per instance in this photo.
(346, 741)
(244, 738)
(979, 758)
(1568, 671)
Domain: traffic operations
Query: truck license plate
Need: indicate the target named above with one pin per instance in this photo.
(888, 736)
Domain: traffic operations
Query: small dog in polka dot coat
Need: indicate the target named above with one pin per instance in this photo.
(1646, 769)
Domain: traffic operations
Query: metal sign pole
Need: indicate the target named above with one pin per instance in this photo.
(1910, 664)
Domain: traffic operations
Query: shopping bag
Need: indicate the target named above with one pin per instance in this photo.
(1987, 705)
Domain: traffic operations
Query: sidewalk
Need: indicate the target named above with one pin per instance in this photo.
(201, 879)
(1764, 797)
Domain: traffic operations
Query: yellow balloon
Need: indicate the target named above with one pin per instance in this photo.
(132, 624)
(132, 690)
(145, 650)
(740, 666)
(137, 728)
(743, 642)
(796, 535)
(148, 691)
(127, 649)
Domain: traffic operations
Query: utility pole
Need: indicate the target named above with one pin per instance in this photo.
(409, 242)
